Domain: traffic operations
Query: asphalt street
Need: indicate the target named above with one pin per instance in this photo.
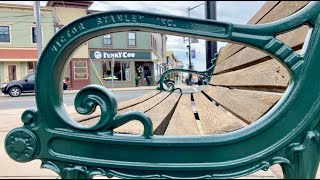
(28, 101)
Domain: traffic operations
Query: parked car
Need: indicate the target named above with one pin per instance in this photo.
(26, 85)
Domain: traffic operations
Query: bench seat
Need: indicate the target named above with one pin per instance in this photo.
(214, 110)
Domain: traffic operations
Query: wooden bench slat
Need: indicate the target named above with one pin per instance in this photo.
(248, 105)
(280, 11)
(146, 105)
(263, 11)
(135, 101)
(214, 120)
(248, 56)
(266, 74)
(245, 56)
(183, 121)
(79, 117)
(295, 38)
(160, 116)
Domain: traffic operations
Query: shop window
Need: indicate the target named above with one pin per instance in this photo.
(34, 35)
(122, 71)
(107, 39)
(132, 38)
(4, 34)
(80, 70)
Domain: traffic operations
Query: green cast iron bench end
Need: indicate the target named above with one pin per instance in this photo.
(287, 135)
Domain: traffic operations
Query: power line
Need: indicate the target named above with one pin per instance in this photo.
(25, 16)
(25, 35)
(15, 16)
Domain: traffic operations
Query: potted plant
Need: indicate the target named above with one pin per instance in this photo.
(137, 79)
(149, 80)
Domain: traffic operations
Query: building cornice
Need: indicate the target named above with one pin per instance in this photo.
(20, 6)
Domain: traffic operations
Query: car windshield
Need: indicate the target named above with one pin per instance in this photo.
(29, 77)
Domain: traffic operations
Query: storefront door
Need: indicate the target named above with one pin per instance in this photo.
(145, 71)
(12, 72)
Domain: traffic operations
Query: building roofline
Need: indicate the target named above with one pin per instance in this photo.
(93, 11)
(170, 53)
(71, 4)
(22, 6)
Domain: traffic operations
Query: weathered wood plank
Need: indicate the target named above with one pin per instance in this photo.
(294, 38)
(247, 105)
(248, 56)
(263, 11)
(183, 121)
(160, 116)
(243, 57)
(280, 11)
(267, 74)
(132, 102)
(146, 105)
(214, 120)
(79, 117)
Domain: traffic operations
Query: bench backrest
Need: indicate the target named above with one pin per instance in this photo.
(248, 82)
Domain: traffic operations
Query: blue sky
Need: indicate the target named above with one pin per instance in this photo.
(238, 12)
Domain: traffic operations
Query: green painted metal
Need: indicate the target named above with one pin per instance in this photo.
(207, 73)
(288, 134)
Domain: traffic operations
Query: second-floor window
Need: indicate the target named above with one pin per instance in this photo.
(34, 35)
(107, 39)
(132, 38)
(4, 34)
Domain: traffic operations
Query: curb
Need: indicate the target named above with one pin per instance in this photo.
(76, 91)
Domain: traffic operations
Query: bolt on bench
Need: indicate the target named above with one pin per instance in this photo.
(260, 108)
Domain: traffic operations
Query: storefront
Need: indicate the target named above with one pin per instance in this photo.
(127, 67)
(16, 64)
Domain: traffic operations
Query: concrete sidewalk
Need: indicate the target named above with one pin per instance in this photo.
(10, 169)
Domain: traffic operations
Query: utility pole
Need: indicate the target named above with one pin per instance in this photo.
(189, 46)
(37, 16)
(211, 46)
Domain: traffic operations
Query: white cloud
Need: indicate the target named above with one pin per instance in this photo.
(239, 12)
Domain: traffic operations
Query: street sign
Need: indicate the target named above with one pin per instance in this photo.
(193, 54)
(194, 40)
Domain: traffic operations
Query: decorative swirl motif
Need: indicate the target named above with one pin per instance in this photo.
(143, 118)
(87, 100)
(171, 88)
(92, 96)
(73, 171)
(21, 145)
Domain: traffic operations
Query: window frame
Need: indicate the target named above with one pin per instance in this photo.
(35, 34)
(74, 70)
(122, 69)
(135, 39)
(103, 40)
(9, 28)
(42, 35)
